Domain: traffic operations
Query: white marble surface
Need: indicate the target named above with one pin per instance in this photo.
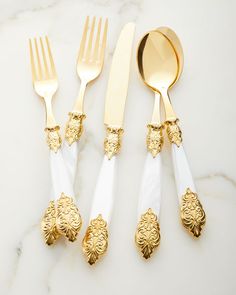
(205, 101)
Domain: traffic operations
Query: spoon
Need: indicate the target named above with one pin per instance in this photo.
(160, 62)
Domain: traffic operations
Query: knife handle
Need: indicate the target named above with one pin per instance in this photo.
(147, 236)
(62, 216)
(192, 213)
(95, 241)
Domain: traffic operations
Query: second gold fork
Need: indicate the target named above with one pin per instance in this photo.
(89, 66)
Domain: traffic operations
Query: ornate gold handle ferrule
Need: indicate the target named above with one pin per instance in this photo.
(192, 213)
(53, 138)
(74, 127)
(154, 139)
(95, 241)
(173, 131)
(112, 142)
(147, 236)
(61, 219)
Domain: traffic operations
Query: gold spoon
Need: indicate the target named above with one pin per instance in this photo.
(160, 61)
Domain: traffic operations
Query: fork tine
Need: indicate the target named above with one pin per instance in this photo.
(38, 59)
(88, 51)
(83, 40)
(33, 69)
(96, 47)
(44, 59)
(53, 69)
(104, 39)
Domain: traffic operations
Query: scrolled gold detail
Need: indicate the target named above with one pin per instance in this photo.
(74, 127)
(192, 214)
(95, 241)
(48, 224)
(68, 219)
(112, 143)
(53, 138)
(174, 133)
(154, 139)
(147, 236)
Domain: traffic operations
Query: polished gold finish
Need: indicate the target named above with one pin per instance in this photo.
(118, 82)
(147, 235)
(53, 138)
(95, 242)
(158, 66)
(74, 127)
(45, 84)
(174, 133)
(112, 143)
(154, 139)
(192, 214)
(89, 66)
(174, 40)
(48, 224)
(68, 219)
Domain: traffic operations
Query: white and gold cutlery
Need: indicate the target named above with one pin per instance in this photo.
(95, 241)
(89, 66)
(62, 216)
(147, 236)
(166, 62)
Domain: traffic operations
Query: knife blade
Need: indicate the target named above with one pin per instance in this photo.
(119, 78)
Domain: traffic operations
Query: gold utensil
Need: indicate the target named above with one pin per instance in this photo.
(147, 236)
(160, 65)
(95, 241)
(89, 66)
(45, 84)
(62, 216)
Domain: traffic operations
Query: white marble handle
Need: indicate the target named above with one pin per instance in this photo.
(104, 196)
(70, 155)
(61, 180)
(183, 176)
(150, 191)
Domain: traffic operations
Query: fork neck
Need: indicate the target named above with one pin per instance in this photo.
(50, 120)
(79, 103)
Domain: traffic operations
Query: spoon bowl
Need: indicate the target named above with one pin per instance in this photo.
(174, 39)
(158, 65)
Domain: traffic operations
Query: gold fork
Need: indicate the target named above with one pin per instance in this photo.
(45, 84)
(89, 66)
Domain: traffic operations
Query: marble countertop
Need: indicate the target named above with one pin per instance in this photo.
(204, 101)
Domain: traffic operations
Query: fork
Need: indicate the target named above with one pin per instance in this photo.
(45, 84)
(89, 66)
(62, 216)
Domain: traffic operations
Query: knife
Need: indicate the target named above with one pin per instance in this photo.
(95, 242)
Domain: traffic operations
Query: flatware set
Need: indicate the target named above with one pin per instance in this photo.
(160, 64)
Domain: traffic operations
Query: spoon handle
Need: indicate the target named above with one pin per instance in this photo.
(147, 236)
(192, 213)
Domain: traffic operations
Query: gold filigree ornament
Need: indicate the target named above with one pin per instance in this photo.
(192, 214)
(74, 127)
(95, 241)
(174, 133)
(68, 219)
(147, 236)
(48, 224)
(112, 143)
(154, 139)
(53, 138)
